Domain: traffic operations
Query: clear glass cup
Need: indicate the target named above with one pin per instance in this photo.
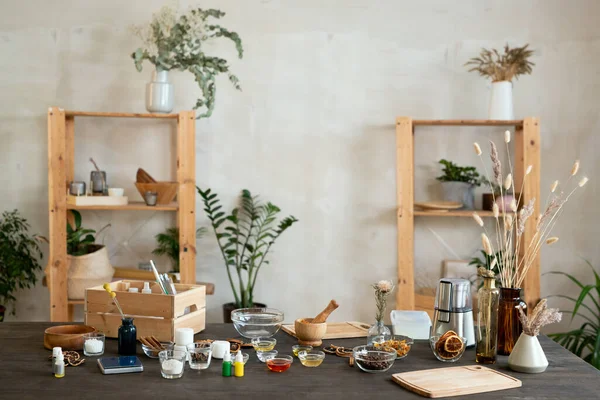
(265, 355)
(172, 363)
(298, 348)
(93, 344)
(199, 355)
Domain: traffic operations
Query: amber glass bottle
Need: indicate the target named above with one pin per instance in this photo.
(488, 298)
(509, 325)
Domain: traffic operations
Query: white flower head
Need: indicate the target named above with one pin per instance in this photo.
(507, 136)
(583, 181)
(477, 148)
(385, 286)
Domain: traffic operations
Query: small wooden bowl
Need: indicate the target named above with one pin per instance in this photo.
(166, 190)
(69, 337)
(309, 334)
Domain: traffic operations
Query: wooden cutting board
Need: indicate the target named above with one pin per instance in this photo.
(338, 330)
(455, 381)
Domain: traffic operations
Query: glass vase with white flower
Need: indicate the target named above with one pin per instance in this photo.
(379, 333)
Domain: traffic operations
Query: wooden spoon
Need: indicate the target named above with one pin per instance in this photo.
(322, 317)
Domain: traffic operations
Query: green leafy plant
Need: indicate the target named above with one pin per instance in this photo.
(584, 341)
(20, 257)
(81, 241)
(179, 42)
(245, 237)
(502, 67)
(168, 244)
(454, 173)
(493, 186)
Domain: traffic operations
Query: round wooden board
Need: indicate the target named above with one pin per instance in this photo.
(439, 205)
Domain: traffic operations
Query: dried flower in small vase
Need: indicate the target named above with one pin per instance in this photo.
(539, 317)
(379, 333)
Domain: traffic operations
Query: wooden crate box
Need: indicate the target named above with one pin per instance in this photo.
(154, 314)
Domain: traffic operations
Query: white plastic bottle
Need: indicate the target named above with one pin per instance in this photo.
(146, 289)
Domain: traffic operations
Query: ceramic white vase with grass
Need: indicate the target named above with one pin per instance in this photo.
(501, 101)
(528, 356)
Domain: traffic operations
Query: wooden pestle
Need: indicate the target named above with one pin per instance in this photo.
(322, 317)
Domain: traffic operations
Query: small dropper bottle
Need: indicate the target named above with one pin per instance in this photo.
(55, 352)
(146, 289)
(226, 368)
(238, 365)
(59, 366)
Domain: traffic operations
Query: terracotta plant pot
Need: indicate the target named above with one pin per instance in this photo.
(89, 270)
(229, 307)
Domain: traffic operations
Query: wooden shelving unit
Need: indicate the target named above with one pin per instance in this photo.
(61, 171)
(527, 152)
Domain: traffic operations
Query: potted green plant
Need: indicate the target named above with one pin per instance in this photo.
(168, 244)
(179, 42)
(501, 69)
(88, 261)
(20, 257)
(245, 237)
(458, 183)
(583, 341)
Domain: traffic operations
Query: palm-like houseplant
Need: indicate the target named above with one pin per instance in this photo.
(585, 340)
(20, 257)
(245, 237)
(168, 244)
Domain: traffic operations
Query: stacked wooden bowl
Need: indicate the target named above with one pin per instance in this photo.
(166, 191)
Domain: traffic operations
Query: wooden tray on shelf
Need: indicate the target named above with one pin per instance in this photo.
(337, 330)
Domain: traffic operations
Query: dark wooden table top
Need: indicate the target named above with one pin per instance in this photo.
(26, 373)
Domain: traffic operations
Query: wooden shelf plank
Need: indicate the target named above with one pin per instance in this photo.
(82, 301)
(452, 213)
(134, 205)
(466, 122)
(119, 115)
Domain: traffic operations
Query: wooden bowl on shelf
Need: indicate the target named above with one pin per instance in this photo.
(166, 190)
(69, 337)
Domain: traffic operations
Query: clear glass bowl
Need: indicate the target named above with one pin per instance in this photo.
(263, 344)
(440, 350)
(311, 358)
(280, 363)
(153, 352)
(297, 348)
(401, 344)
(373, 359)
(172, 363)
(265, 355)
(245, 356)
(257, 322)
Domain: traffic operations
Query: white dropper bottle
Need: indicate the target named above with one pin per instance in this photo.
(146, 288)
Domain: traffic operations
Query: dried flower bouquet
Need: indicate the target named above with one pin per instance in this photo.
(511, 224)
(539, 317)
(502, 67)
(382, 290)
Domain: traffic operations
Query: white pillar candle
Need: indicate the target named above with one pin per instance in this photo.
(184, 336)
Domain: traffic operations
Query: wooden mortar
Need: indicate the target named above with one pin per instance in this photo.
(310, 331)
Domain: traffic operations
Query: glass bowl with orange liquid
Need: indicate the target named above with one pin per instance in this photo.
(280, 363)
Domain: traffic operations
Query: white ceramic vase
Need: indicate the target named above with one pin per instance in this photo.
(501, 101)
(159, 93)
(528, 356)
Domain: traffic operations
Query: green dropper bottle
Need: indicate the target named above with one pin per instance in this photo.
(226, 368)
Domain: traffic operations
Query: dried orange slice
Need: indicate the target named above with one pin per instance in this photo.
(447, 335)
(453, 344)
